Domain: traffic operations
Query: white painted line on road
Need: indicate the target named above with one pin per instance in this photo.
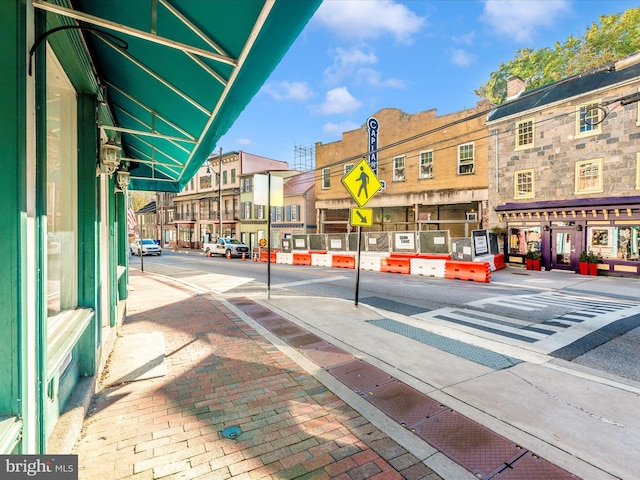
(307, 282)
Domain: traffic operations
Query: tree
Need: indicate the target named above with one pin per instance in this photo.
(615, 37)
(139, 199)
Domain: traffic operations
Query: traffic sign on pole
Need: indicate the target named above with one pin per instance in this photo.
(361, 183)
(361, 217)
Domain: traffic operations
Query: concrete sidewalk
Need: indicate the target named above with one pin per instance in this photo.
(228, 405)
(230, 372)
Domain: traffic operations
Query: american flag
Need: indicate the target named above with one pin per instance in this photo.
(131, 219)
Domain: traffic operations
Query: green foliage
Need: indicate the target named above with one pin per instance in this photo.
(584, 256)
(592, 258)
(615, 37)
(533, 255)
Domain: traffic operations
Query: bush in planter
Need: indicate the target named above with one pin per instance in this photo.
(592, 260)
(533, 260)
(584, 262)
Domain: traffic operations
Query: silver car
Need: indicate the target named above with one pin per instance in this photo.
(149, 247)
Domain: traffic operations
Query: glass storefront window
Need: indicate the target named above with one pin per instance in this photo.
(61, 200)
(614, 243)
(524, 239)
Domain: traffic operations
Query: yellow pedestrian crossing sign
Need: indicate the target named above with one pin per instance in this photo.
(361, 217)
(361, 183)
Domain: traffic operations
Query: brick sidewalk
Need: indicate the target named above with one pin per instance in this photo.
(222, 373)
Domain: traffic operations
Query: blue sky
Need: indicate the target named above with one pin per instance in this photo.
(356, 57)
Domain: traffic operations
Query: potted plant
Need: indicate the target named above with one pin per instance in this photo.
(532, 260)
(593, 264)
(583, 262)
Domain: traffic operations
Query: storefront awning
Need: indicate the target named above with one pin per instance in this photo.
(581, 208)
(174, 75)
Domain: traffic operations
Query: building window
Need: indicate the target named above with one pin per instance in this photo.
(348, 167)
(224, 177)
(465, 159)
(524, 186)
(258, 212)
(426, 164)
(398, 169)
(191, 184)
(589, 176)
(293, 213)
(524, 134)
(588, 119)
(205, 182)
(245, 185)
(638, 171)
(61, 201)
(326, 178)
(233, 175)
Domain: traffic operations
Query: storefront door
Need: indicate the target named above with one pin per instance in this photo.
(563, 248)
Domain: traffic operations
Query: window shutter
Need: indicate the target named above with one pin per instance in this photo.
(288, 213)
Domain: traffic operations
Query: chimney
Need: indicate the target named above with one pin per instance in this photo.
(515, 86)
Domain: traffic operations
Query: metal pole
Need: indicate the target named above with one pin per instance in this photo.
(358, 266)
(220, 192)
(140, 251)
(269, 235)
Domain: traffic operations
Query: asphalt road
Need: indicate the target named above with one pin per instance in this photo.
(511, 314)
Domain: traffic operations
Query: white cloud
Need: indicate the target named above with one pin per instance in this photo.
(243, 141)
(373, 78)
(294, 91)
(466, 39)
(462, 58)
(339, 128)
(345, 62)
(367, 19)
(338, 100)
(520, 19)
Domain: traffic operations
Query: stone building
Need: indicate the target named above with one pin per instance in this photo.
(564, 169)
(433, 168)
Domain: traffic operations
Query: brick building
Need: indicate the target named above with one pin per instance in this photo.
(434, 169)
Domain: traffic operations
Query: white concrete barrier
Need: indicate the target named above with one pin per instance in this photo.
(487, 258)
(370, 262)
(428, 267)
(321, 260)
(285, 258)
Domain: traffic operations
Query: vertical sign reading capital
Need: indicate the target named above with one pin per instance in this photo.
(372, 127)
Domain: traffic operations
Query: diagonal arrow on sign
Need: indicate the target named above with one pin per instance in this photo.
(361, 217)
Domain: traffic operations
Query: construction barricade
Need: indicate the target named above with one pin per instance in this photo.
(499, 261)
(396, 264)
(428, 267)
(302, 259)
(284, 258)
(464, 270)
(343, 261)
(320, 260)
(487, 258)
(263, 257)
(370, 262)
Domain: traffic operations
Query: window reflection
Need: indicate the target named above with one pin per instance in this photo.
(615, 243)
(524, 239)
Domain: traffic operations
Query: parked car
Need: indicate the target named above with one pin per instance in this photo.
(229, 247)
(149, 247)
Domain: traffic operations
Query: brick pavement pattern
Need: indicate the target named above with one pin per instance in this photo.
(223, 373)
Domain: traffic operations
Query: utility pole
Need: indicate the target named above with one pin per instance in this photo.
(220, 193)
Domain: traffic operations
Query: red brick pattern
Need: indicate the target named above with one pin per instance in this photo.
(221, 373)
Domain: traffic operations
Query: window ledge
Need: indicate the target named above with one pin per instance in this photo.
(10, 434)
(69, 327)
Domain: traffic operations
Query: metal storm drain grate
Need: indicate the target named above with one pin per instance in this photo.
(271, 323)
(246, 305)
(360, 376)
(530, 466)
(404, 404)
(473, 446)
(306, 340)
(328, 356)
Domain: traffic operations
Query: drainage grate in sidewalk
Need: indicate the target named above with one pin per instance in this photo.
(481, 451)
(360, 376)
(404, 404)
(473, 446)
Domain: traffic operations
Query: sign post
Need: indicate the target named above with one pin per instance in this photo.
(362, 184)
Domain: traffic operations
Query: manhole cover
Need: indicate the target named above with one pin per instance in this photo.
(360, 376)
(404, 404)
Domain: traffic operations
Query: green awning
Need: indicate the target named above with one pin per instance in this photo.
(188, 70)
